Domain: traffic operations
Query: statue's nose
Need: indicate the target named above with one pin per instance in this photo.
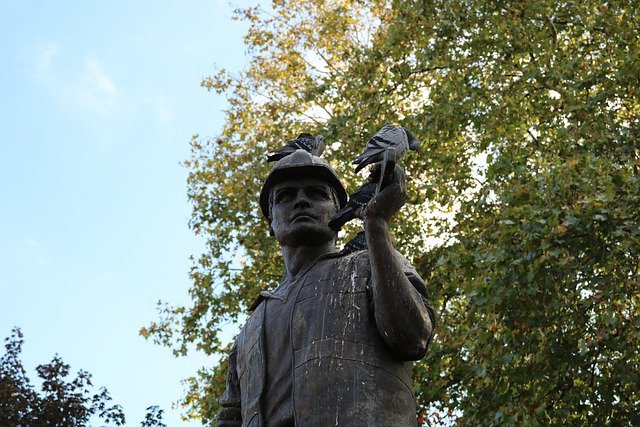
(301, 199)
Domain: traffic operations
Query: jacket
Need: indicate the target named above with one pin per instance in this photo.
(344, 373)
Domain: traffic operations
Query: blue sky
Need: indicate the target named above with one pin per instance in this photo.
(98, 103)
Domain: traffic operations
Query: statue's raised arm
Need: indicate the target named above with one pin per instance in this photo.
(404, 320)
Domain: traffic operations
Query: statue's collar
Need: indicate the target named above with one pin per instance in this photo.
(266, 294)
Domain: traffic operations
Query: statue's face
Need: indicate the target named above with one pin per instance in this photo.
(300, 212)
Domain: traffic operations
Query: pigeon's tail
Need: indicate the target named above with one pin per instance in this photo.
(274, 157)
(280, 154)
(342, 217)
(362, 162)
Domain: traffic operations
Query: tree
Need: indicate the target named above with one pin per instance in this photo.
(62, 402)
(525, 199)
(153, 417)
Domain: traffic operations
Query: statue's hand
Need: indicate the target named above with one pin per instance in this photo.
(390, 199)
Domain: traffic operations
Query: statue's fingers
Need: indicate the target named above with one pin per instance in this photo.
(393, 197)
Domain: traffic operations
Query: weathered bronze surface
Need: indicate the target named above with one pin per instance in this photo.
(333, 344)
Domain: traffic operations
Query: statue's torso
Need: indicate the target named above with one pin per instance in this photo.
(343, 372)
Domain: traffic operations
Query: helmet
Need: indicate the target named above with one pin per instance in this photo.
(299, 164)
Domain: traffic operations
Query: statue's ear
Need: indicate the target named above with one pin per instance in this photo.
(271, 233)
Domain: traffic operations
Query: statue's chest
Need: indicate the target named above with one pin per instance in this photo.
(332, 303)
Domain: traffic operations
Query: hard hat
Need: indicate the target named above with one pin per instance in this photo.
(300, 164)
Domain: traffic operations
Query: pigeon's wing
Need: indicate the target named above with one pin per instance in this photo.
(342, 217)
(357, 200)
(390, 136)
(307, 144)
(358, 243)
(364, 194)
(304, 141)
(314, 145)
(373, 153)
(281, 153)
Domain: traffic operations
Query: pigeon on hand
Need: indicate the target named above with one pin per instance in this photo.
(390, 143)
(359, 199)
(306, 141)
(387, 146)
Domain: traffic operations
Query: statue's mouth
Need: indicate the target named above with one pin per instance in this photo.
(302, 216)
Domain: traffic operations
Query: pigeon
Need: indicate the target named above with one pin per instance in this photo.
(358, 243)
(359, 199)
(393, 140)
(306, 141)
(388, 146)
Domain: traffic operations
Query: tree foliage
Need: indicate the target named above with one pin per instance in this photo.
(153, 417)
(525, 198)
(63, 402)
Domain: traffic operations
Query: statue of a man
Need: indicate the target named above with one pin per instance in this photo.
(333, 344)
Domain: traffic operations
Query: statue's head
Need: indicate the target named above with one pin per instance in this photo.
(299, 197)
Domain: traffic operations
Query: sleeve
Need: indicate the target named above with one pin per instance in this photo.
(230, 415)
(418, 285)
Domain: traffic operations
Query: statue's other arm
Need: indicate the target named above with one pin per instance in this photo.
(230, 415)
(403, 319)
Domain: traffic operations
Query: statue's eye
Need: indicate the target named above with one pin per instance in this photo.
(285, 195)
(317, 193)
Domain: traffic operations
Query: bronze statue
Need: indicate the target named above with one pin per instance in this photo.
(333, 344)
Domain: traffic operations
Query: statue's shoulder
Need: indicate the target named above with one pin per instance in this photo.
(359, 259)
(341, 264)
(350, 256)
(363, 254)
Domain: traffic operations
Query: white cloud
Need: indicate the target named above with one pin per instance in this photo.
(44, 54)
(95, 90)
(83, 85)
